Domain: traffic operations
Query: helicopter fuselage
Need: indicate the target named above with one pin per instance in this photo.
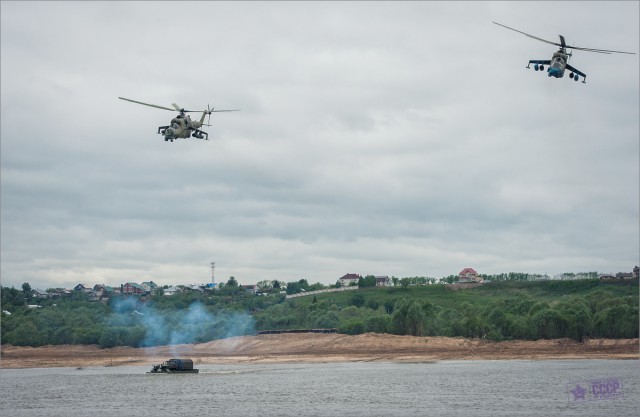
(557, 66)
(182, 127)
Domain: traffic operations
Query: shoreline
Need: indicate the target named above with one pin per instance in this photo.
(320, 348)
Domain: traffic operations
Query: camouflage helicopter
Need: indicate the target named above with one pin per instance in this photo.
(182, 127)
(559, 62)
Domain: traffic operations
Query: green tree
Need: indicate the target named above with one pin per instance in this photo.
(368, 281)
(351, 326)
(373, 304)
(415, 319)
(550, 324)
(329, 320)
(265, 285)
(110, 337)
(293, 287)
(26, 290)
(357, 300)
(408, 318)
(11, 297)
(389, 305)
(449, 279)
(25, 335)
(377, 324)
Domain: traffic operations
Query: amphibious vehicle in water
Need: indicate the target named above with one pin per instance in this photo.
(174, 366)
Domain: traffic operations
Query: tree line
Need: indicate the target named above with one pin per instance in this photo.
(596, 315)
(578, 310)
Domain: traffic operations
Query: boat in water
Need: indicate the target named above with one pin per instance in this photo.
(174, 366)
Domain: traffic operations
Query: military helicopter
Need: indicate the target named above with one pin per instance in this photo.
(559, 62)
(182, 127)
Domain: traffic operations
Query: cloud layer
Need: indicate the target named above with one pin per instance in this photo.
(378, 138)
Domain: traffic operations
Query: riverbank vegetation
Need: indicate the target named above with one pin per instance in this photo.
(508, 310)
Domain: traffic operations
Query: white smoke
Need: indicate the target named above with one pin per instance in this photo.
(195, 324)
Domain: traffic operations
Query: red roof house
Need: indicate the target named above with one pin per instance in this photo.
(469, 275)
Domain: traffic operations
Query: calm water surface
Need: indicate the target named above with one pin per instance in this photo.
(448, 388)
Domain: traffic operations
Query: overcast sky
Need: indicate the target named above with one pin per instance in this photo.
(383, 138)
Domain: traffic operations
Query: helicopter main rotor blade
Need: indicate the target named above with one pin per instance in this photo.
(215, 111)
(181, 110)
(563, 44)
(531, 36)
(600, 51)
(146, 104)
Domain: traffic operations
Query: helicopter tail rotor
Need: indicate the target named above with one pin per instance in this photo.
(211, 109)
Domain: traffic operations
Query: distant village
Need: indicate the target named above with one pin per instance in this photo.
(351, 281)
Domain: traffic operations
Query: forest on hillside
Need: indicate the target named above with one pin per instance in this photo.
(576, 309)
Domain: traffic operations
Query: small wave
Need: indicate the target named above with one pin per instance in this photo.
(231, 371)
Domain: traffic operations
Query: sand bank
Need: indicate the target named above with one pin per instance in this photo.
(313, 348)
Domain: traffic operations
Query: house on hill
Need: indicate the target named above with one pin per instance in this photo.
(132, 288)
(251, 289)
(149, 286)
(82, 288)
(349, 279)
(38, 293)
(171, 290)
(383, 281)
(469, 275)
(103, 292)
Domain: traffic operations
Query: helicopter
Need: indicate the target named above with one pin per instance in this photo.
(559, 62)
(182, 127)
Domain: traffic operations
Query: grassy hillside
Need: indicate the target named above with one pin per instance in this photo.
(503, 310)
(444, 296)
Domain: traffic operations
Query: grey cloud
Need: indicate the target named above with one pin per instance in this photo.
(400, 139)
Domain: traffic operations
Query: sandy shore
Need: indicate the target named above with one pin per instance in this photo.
(308, 347)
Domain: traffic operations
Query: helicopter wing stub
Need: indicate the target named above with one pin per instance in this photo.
(146, 104)
(577, 72)
(538, 62)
